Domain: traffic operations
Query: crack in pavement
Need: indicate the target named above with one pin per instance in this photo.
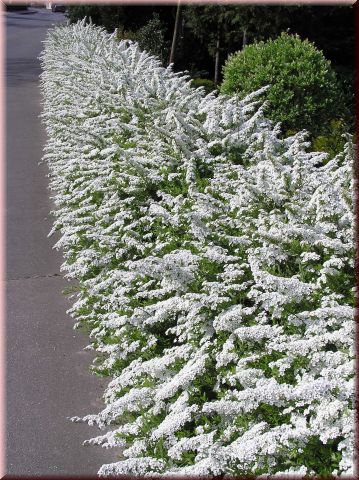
(29, 277)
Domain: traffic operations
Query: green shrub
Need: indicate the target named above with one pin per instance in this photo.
(333, 142)
(304, 91)
(151, 37)
(208, 85)
(126, 35)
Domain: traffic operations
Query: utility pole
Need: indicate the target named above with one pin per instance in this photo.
(216, 63)
(175, 32)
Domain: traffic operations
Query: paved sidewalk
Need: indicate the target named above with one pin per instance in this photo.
(48, 375)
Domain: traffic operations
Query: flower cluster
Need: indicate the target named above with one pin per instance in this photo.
(214, 262)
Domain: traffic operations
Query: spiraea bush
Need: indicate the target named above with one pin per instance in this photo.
(215, 267)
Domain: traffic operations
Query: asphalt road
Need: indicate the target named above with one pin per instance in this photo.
(47, 370)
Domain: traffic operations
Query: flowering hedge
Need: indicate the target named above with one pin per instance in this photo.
(215, 267)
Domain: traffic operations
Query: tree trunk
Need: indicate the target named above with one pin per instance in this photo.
(216, 58)
(175, 33)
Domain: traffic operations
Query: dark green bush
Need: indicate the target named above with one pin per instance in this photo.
(208, 85)
(126, 35)
(151, 37)
(333, 142)
(304, 91)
